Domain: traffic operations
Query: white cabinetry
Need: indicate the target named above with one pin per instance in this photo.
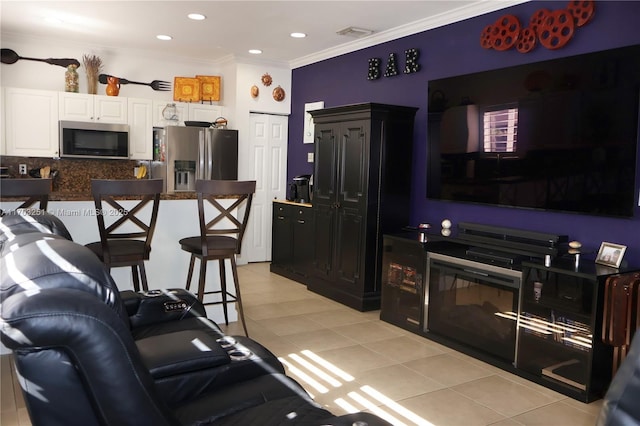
(186, 112)
(31, 122)
(83, 107)
(204, 112)
(140, 121)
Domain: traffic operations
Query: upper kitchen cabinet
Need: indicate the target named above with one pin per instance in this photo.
(204, 112)
(362, 181)
(185, 112)
(31, 122)
(84, 107)
(140, 121)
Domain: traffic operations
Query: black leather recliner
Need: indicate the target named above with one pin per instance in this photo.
(78, 365)
(87, 354)
(158, 320)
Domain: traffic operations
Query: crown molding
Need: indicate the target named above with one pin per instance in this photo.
(459, 14)
(246, 60)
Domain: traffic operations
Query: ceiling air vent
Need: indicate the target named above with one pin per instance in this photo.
(354, 32)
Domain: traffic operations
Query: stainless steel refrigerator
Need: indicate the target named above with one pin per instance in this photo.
(183, 154)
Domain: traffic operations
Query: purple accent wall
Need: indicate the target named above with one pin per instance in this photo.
(452, 50)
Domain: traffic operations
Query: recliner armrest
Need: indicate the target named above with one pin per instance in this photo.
(181, 352)
(131, 301)
(157, 306)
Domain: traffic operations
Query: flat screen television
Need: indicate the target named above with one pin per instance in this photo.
(559, 135)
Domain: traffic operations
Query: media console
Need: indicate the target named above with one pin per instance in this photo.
(514, 298)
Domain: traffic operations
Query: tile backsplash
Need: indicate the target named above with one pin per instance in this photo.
(73, 175)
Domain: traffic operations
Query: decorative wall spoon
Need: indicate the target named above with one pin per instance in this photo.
(8, 56)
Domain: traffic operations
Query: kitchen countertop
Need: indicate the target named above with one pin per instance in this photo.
(86, 196)
(293, 203)
(83, 196)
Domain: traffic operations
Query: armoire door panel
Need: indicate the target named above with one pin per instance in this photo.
(325, 173)
(353, 164)
(324, 222)
(349, 246)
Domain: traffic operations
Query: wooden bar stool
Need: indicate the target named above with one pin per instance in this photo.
(32, 191)
(127, 240)
(221, 230)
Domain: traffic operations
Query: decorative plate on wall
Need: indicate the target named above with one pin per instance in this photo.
(209, 87)
(186, 89)
(255, 92)
(278, 94)
(266, 79)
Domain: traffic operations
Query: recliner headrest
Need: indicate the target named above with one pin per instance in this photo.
(21, 240)
(58, 263)
(22, 221)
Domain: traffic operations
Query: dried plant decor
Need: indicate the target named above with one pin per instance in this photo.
(93, 67)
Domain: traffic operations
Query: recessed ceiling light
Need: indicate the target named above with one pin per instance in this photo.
(255, 51)
(163, 37)
(196, 16)
(298, 35)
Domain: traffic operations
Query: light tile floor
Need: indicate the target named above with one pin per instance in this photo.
(374, 366)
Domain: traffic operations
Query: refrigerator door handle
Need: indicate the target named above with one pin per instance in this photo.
(209, 140)
(202, 168)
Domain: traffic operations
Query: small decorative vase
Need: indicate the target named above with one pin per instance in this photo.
(71, 79)
(113, 86)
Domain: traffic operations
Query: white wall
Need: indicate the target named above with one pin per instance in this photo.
(237, 78)
(249, 74)
(132, 65)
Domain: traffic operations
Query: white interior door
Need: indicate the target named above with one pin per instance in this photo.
(268, 159)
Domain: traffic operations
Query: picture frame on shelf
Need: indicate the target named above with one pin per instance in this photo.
(308, 120)
(610, 254)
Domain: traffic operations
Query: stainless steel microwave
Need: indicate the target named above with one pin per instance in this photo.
(79, 139)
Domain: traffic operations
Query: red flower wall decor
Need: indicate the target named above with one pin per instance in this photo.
(552, 29)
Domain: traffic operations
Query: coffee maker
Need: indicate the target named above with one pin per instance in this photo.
(300, 189)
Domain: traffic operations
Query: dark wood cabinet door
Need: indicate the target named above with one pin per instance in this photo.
(353, 165)
(281, 242)
(325, 174)
(303, 237)
(324, 241)
(352, 203)
(340, 183)
(349, 250)
(325, 190)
